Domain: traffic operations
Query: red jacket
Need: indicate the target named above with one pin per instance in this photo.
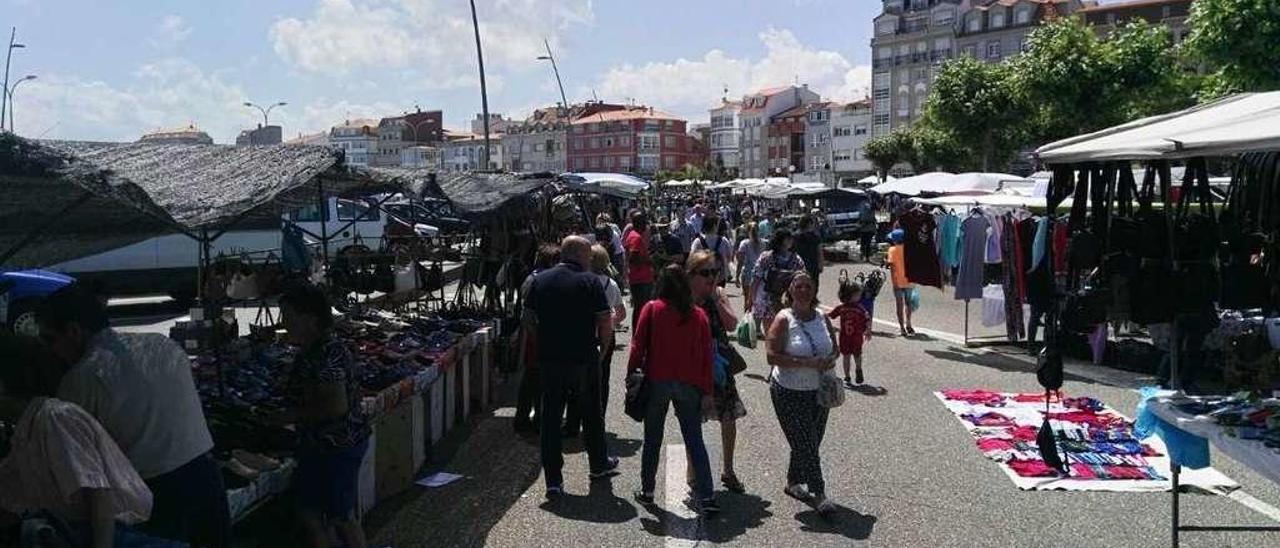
(673, 348)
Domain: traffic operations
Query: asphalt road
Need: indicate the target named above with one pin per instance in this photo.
(903, 470)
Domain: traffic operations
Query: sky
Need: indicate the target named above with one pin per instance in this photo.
(115, 69)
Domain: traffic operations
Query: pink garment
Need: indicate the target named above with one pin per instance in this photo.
(1031, 468)
(59, 449)
(990, 445)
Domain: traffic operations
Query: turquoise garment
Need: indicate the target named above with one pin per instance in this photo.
(1037, 244)
(949, 241)
(1188, 450)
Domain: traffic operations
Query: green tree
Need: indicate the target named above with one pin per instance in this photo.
(1075, 82)
(1239, 40)
(889, 150)
(975, 109)
(937, 148)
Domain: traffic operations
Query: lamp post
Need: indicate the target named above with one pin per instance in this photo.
(551, 57)
(9, 93)
(266, 112)
(13, 34)
(484, 92)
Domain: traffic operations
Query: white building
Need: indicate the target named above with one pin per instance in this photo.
(850, 130)
(758, 109)
(420, 156)
(466, 153)
(722, 146)
(189, 135)
(358, 140)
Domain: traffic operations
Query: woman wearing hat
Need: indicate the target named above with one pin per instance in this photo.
(901, 285)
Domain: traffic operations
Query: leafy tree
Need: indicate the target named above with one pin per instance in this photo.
(939, 148)
(1075, 82)
(974, 109)
(1238, 40)
(889, 150)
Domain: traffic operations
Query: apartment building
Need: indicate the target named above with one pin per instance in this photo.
(785, 142)
(756, 115)
(911, 39)
(817, 145)
(465, 152)
(995, 30)
(635, 139)
(539, 143)
(850, 130)
(1173, 13)
(722, 142)
(358, 140)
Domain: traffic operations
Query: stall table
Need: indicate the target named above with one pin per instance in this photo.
(1252, 453)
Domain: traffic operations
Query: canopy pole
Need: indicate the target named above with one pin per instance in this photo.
(323, 206)
(49, 222)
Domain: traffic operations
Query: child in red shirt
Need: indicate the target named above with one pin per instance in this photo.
(855, 327)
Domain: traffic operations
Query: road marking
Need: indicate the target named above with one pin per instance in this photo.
(940, 335)
(1248, 501)
(680, 522)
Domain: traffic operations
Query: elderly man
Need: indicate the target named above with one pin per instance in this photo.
(567, 309)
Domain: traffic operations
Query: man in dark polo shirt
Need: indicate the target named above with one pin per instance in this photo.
(567, 309)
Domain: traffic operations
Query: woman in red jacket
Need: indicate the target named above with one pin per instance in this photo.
(672, 344)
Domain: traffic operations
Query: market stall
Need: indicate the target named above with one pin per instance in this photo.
(1126, 262)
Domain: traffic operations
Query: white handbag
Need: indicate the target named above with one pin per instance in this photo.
(243, 287)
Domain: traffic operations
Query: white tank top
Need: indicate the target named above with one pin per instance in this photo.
(799, 336)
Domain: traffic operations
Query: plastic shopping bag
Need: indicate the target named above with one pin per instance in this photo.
(746, 332)
(913, 298)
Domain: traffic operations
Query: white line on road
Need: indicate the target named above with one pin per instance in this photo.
(681, 523)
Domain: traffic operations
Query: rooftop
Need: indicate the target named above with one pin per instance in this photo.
(629, 113)
(1130, 5)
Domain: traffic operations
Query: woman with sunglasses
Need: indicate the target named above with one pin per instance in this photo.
(801, 348)
(703, 276)
(772, 276)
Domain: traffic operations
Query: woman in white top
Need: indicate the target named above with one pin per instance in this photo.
(62, 461)
(801, 348)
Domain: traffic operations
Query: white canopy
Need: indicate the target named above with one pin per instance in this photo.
(948, 183)
(874, 179)
(800, 189)
(611, 183)
(989, 200)
(1240, 123)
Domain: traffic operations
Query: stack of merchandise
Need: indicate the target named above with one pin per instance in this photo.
(1097, 443)
(1240, 416)
(244, 383)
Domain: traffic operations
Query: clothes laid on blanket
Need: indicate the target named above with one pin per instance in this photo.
(972, 240)
(921, 250)
(989, 419)
(976, 397)
(1031, 468)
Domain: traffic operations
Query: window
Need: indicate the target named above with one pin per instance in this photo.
(648, 163)
(595, 142)
(1166, 11)
(993, 49)
(859, 130)
(881, 80)
(1022, 17)
(842, 131)
(537, 147)
(595, 161)
(921, 97)
(880, 95)
(624, 141)
(624, 162)
(608, 142)
(920, 74)
(886, 27)
(943, 17)
(649, 142)
(884, 53)
(975, 22)
(942, 44)
(309, 214)
(670, 161)
(841, 156)
(356, 210)
(922, 47)
(997, 19)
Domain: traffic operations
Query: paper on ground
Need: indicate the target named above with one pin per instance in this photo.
(439, 479)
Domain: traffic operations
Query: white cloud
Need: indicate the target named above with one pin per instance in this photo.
(431, 38)
(171, 31)
(689, 87)
(168, 93)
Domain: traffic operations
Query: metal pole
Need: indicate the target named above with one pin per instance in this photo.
(484, 92)
(13, 127)
(563, 101)
(8, 57)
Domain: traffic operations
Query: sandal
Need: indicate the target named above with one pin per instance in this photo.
(733, 484)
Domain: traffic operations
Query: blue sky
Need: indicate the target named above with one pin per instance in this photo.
(113, 69)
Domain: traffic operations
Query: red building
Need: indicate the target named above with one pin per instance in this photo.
(637, 140)
(786, 141)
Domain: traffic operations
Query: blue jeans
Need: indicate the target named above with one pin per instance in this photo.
(687, 400)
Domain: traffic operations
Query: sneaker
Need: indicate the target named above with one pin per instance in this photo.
(825, 506)
(858, 376)
(798, 492)
(554, 492)
(911, 330)
(709, 506)
(643, 497)
(848, 382)
(610, 470)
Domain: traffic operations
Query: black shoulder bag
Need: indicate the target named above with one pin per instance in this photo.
(636, 401)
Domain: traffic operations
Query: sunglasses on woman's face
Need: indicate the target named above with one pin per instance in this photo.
(708, 272)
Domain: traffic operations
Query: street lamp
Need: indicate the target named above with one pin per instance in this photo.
(484, 90)
(13, 34)
(551, 57)
(415, 126)
(26, 78)
(265, 111)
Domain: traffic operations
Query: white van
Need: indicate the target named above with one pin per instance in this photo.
(167, 264)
